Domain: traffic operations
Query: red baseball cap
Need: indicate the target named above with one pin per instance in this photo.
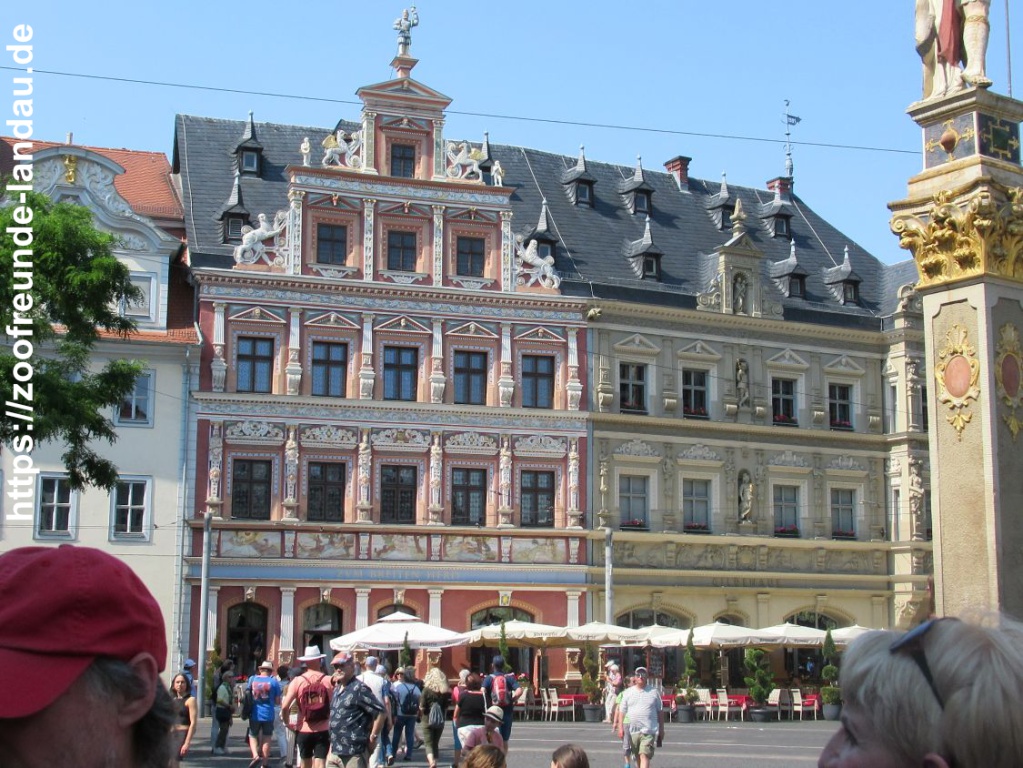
(61, 608)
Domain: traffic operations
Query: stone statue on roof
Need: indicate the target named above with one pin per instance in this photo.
(947, 33)
(409, 18)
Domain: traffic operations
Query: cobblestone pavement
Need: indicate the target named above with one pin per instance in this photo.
(730, 744)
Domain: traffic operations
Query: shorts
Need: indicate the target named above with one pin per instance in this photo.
(642, 743)
(627, 743)
(315, 744)
(351, 761)
(257, 727)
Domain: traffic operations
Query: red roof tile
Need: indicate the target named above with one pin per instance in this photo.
(145, 184)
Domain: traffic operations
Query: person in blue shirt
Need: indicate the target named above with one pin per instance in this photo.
(188, 670)
(512, 695)
(266, 694)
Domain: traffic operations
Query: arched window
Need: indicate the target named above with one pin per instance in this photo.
(805, 664)
(670, 662)
(387, 610)
(321, 623)
(246, 636)
(520, 660)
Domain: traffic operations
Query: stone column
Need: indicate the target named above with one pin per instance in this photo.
(367, 376)
(211, 618)
(218, 365)
(961, 221)
(287, 624)
(361, 607)
(435, 614)
(293, 370)
(369, 142)
(438, 244)
(506, 382)
(368, 239)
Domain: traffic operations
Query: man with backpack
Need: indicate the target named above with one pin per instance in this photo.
(312, 692)
(503, 691)
(407, 694)
(265, 694)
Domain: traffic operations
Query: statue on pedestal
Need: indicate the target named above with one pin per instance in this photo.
(950, 32)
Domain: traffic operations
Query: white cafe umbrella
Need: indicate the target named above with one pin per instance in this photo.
(715, 636)
(599, 633)
(791, 635)
(521, 634)
(846, 635)
(389, 634)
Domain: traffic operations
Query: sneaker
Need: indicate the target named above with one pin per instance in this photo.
(390, 759)
(256, 761)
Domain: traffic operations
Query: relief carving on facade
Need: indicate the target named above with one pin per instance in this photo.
(1008, 370)
(254, 432)
(957, 374)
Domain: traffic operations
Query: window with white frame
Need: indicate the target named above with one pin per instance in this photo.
(468, 496)
(251, 489)
(142, 307)
(536, 498)
(330, 368)
(399, 487)
(136, 408)
(786, 509)
(131, 499)
(632, 387)
(633, 495)
(783, 400)
(255, 364)
(470, 377)
(537, 381)
(694, 393)
(840, 405)
(695, 504)
(843, 512)
(57, 507)
(890, 407)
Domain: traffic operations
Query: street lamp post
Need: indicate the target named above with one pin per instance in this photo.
(204, 600)
(609, 599)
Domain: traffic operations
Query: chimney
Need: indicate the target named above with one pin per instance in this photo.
(679, 168)
(781, 186)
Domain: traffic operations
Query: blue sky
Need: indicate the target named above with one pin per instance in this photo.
(690, 72)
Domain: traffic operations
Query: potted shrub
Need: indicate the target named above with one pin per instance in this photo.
(760, 682)
(593, 709)
(831, 694)
(686, 700)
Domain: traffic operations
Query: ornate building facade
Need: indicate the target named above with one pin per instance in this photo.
(435, 372)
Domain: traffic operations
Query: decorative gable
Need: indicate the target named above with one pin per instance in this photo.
(788, 359)
(259, 315)
(473, 329)
(699, 351)
(331, 320)
(844, 366)
(540, 334)
(637, 344)
(404, 324)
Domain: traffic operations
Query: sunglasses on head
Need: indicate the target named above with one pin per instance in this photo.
(912, 643)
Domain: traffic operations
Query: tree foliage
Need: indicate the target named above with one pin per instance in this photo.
(68, 290)
(759, 680)
(590, 682)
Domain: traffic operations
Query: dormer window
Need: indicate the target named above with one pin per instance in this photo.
(641, 202)
(781, 226)
(797, 286)
(850, 293)
(584, 193)
(652, 267)
(726, 216)
(234, 227)
(544, 249)
(250, 161)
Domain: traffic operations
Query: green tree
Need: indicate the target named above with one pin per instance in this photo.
(502, 648)
(405, 654)
(759, 680)
(590, 681)
(692, 678)
(58, 291)
(830, 693)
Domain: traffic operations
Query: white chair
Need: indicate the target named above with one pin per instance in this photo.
(799, 706)
(705, 704)
(778, 699)
(545, 705)
(530, 706)
(724, 708)
(559, 705)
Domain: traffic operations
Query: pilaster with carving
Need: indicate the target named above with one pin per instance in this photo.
(605, 390)
(574, 386)
(436, 508)
(290, 503)
(506, 383)
(367, 376)
(369, 208)
(438, 244)
(505, 511)
(438, 380)
(575, 514)
(364, 507)
(439, 172)
(369, 142)
(218, 366)
(293, 370)
(214, 500)
(507, 249)
(294, 238)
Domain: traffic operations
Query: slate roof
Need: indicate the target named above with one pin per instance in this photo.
(593, 243)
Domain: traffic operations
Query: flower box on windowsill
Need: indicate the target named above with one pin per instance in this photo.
(695, 413)
(842, 425)
(843, 535)
(696, 528)
(787, 532)
(785, 421)
(634, 525)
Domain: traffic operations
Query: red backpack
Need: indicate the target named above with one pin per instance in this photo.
(314, 700)
(499, 692)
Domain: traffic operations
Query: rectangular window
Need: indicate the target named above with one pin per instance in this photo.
(924, 411)
(536, 499)
(642, 202)
(783, 400)
(840, 406)
(326, 498)
(694, 394)
(142, 308)
(928, 522)
(330, 368)
(632, 500)
(696, 505)
(584, 193)
(843, 512)
(234, 227)
(786, 509)
(250, 489)
(398, 494)
(537, 381)
(468, 496)
(250, 161)
(401, 251)
(797, 286)
(632, 387)
(331, 244)
(471, 378)
(56, 503)
(471, 258)
(136, 407)
(890, 402)
(401, 373)
(403, 160)
(130, 504)
(255, 364)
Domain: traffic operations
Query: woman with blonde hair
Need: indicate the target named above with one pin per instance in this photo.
(485, 756)
(436, 691)
(942, 695)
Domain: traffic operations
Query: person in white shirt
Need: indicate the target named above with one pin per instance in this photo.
(642, 705)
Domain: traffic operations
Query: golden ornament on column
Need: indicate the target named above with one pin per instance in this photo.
(1008, 371)
(957, 374)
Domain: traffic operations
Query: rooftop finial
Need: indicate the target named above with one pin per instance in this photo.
(790, 120)
(846, 259)
(409, 18)
(724, 185)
